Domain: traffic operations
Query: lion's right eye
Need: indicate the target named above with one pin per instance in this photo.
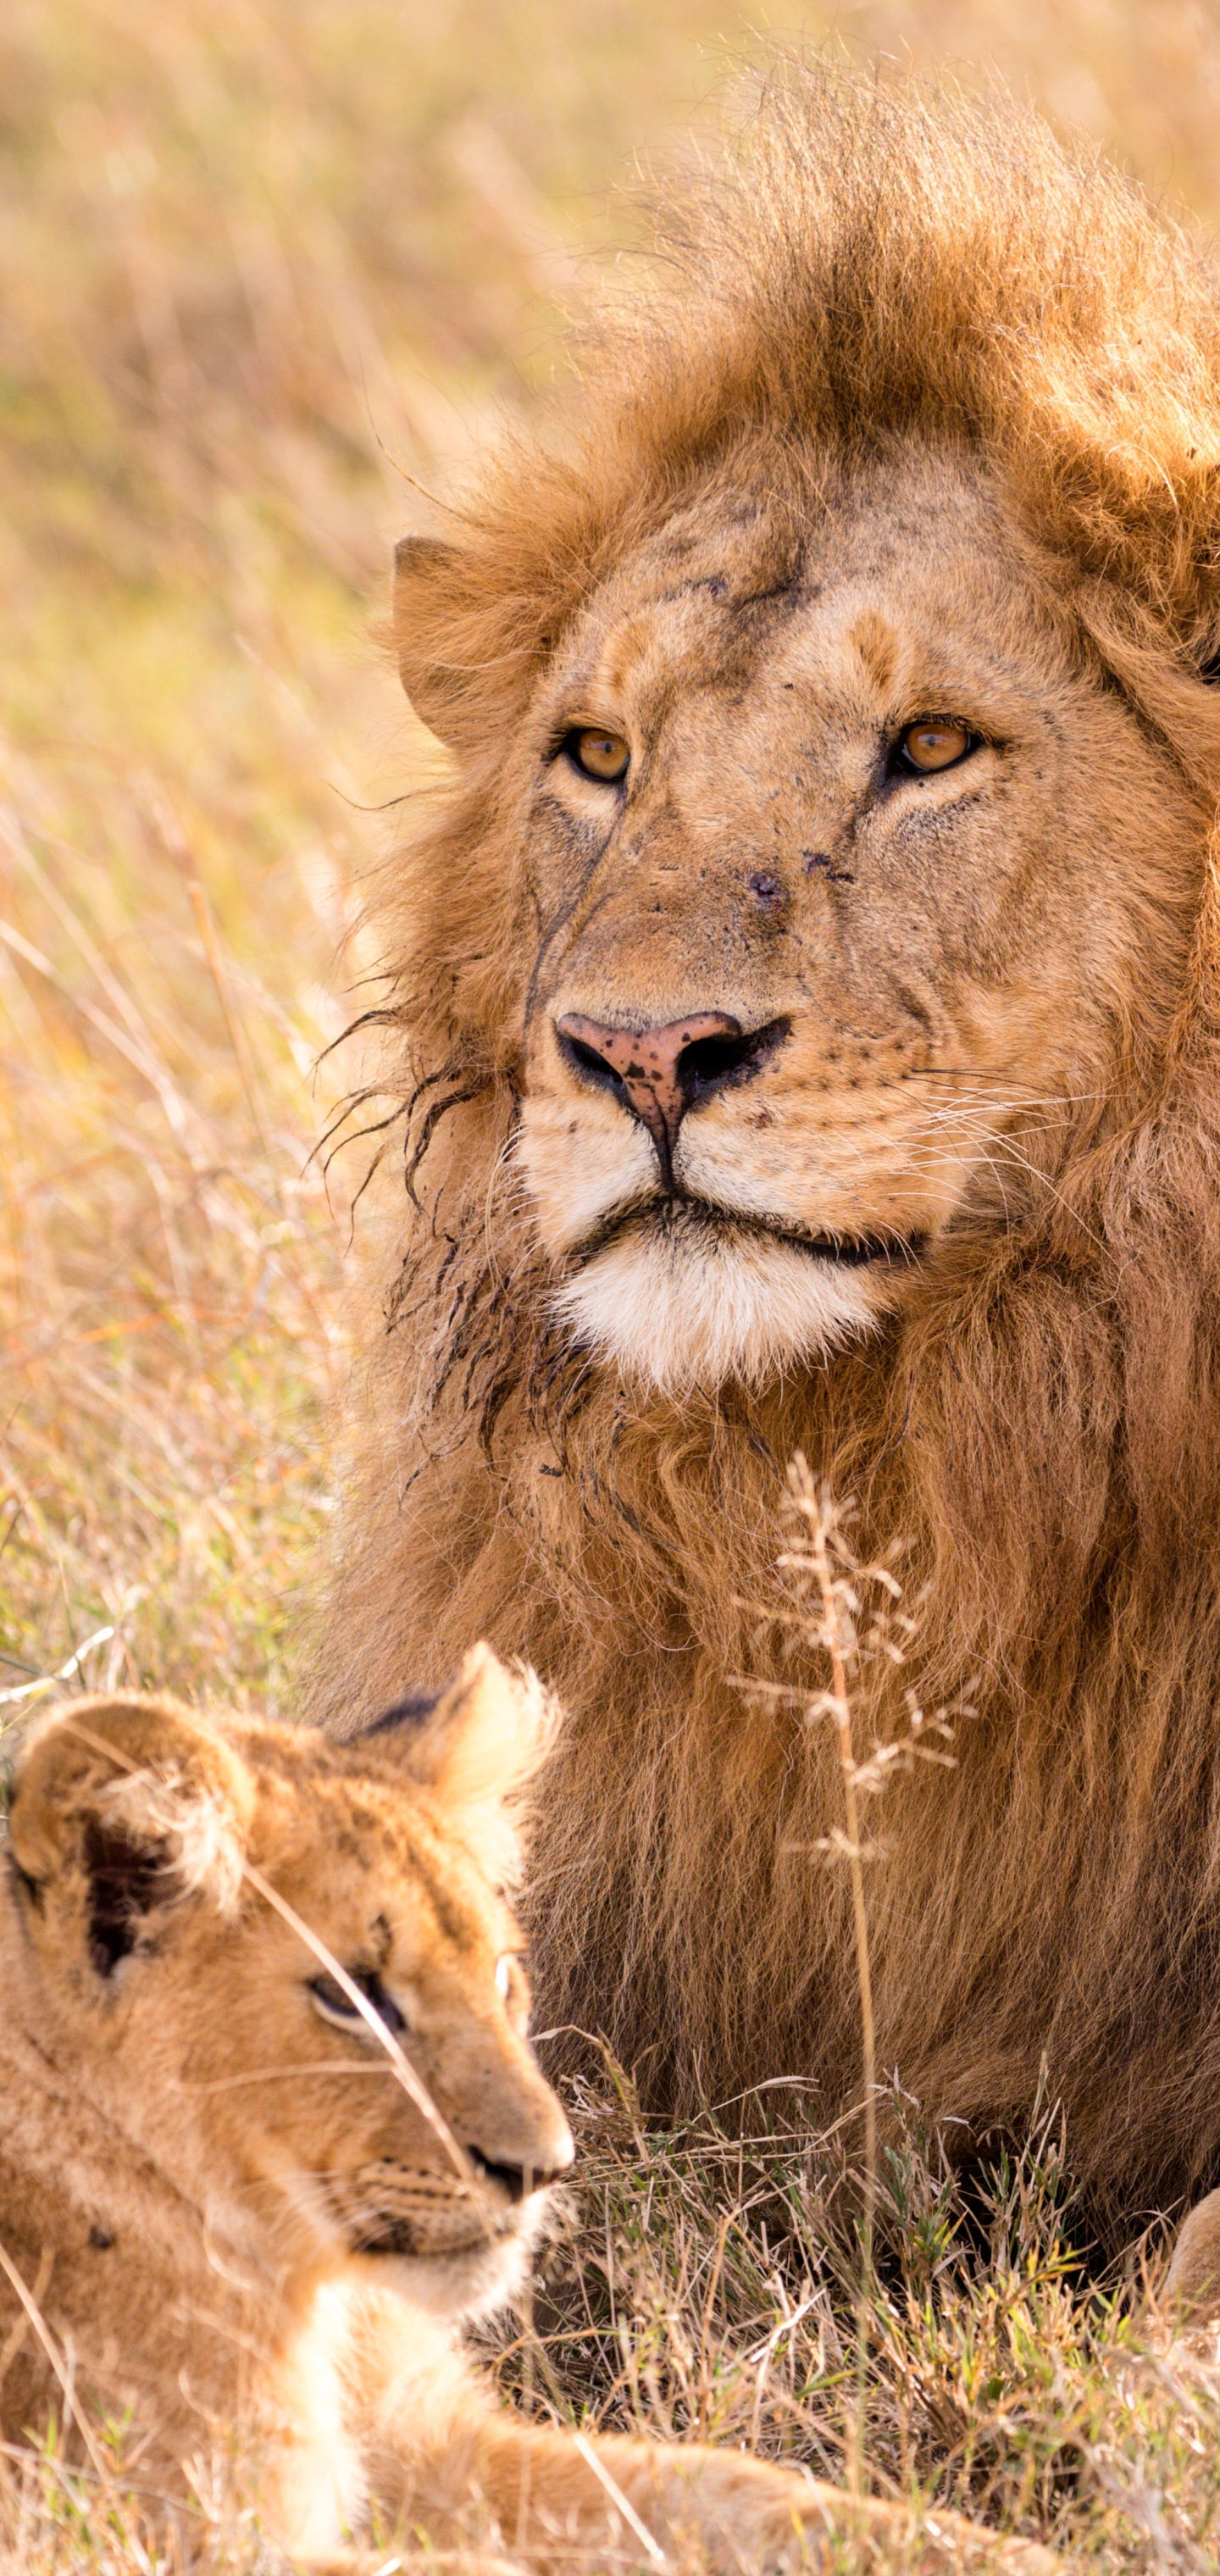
(603, 756)
(336, 2006)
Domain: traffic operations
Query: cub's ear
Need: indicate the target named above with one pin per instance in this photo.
(123, 1809)
(425, 578)
(477, 1748)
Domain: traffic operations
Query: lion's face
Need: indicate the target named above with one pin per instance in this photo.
(283, 1969)
(848, 873)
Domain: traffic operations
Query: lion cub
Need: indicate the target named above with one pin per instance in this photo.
(270, 2129)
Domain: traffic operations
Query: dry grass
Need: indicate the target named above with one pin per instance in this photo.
(252, 252)
(712, 2291)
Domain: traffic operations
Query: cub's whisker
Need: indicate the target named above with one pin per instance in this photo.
(282, 2075)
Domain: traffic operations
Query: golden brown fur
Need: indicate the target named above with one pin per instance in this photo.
(225, 2206)
(921, 416)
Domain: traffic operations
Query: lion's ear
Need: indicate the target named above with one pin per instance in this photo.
(425, 578)
(477, 1748)
(121, 1810)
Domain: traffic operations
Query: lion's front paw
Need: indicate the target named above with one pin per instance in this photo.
(1192, 2283)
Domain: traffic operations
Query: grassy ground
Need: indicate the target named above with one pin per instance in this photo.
(259, 257)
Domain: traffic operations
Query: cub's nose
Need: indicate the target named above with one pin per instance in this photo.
(659, 1073)
(516, 2180)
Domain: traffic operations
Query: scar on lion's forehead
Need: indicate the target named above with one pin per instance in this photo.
(626, 647)
(877, 645)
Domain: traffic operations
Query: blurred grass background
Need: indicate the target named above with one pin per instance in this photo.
(260, 261)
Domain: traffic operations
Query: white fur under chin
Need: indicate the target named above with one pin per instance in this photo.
(680, 1314)
(474, 2285)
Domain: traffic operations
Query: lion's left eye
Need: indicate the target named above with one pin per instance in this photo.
(510, 1973)
(336, 2006)
(597, 754)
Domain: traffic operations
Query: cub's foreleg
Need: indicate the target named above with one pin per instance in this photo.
(557, 2503)
(714, 2508)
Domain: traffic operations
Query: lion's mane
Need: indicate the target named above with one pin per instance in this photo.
(1041, 1430)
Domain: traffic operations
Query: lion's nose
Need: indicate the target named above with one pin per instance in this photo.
(659, 1073)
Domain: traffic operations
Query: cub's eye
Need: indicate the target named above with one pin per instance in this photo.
(510, 1974)
(335, 2006)
(931, 745)
(604, 756)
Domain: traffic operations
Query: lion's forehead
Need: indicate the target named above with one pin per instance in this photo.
(814, 676)
(887, 627)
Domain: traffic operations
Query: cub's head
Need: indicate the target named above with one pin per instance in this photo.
(289, 1971)
(838, 737)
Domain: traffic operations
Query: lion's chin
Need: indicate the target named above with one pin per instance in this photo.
(472, 2281)
(675, 1311)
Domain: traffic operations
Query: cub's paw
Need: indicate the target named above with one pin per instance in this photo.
(776, 2522)
(903, 2540)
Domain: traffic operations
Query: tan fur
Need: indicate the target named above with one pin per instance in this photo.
(227, 2212)
(1191, 2294)
(921, 419)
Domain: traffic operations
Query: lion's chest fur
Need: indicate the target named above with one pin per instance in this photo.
(1047, 1898)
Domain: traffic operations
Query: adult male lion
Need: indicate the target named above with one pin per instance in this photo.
(809, 987)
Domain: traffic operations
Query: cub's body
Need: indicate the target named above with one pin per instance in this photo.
(272, 2131)
(157, 2329)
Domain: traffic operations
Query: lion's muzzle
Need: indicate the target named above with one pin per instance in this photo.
(660, 1073)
